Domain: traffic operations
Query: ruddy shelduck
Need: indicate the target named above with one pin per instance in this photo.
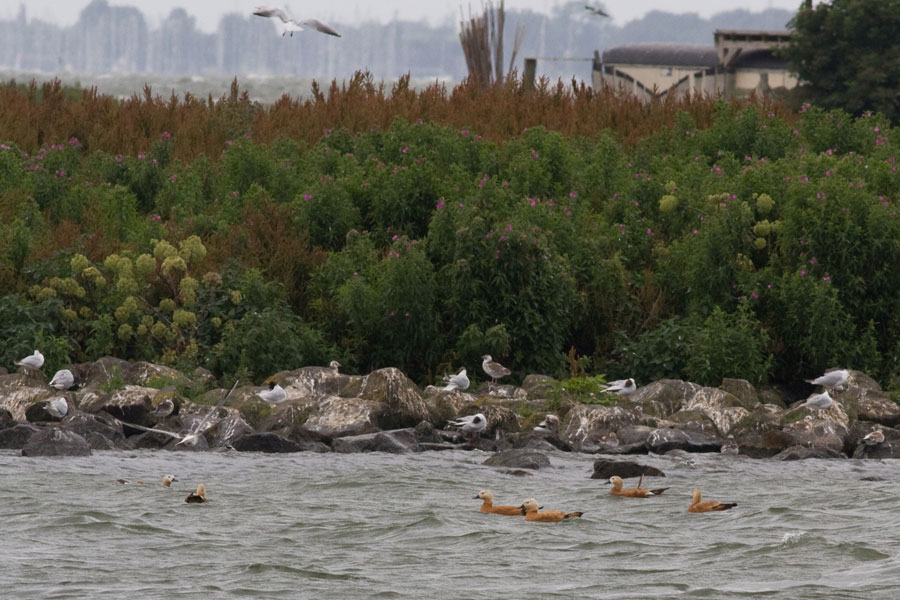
(487, 505)
(637, 492)
(167, 480)
(708, 506)
(197, 497)
(530, 509)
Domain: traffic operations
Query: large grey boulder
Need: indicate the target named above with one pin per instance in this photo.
(337, 417)
(55, 441)
(604, 468)
(6, 419)
(100, 430)
(132, 403)
(664, 397)
(804, 452)
(109, 369)
(395, 441)
(666, 439)
(589, 423)
(18, 391)
(522, 458)
(15, 437)
(401, 400)
(266, 442)
(876, 406)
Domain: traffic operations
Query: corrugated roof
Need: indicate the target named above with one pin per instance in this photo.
(676, 55)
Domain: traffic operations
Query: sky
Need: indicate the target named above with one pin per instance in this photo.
(351, 12)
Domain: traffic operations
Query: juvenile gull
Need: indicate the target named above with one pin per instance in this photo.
(63, 380)
(550, 424)
(289, 25)
(460, 381)
(730, 447)
(494, 369)
(191, 437)
(335, 365)
(831, 379)
(34, 361)
(874, 438)
(163, 409)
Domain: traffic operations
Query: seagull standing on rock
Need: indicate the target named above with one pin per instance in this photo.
(831, 379)
(821, 401)
(289, 25)
(471, 425)
(58, 407)
(63, 380)
(621, 387)
(165, 408)
(494, 369)
(274, 395)
(460, 381)
(34, 361)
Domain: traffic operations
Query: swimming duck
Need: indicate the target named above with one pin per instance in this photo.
(530, 507)
(168, 479)
(708, 506)
(197, 497)
(637, 492)
(487, 505)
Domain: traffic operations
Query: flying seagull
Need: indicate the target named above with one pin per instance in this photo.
(596, 11)
(290, 25)
(34, 361)
(460, 381)
(193, 434)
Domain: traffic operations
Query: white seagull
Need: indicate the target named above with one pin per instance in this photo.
(57, 407)
(822, 400)
(63, 380)
(34, 361)
(471, 425)
(730, 447)
(550, 424)
(460, 381)
(289, 25)
(621, 387)
(494, 369)
(335, 365)
(831, 379)
(274, 395)
(193, 434)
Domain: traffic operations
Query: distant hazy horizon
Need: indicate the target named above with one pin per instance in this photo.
(208, 12)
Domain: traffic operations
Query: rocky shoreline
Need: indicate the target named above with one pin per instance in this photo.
(384, 411)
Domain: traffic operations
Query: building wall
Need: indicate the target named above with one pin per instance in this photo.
(641, 79)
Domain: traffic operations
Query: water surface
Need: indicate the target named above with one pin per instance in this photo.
(406, 526)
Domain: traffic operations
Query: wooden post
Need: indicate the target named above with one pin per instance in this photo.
(596, 71)
(530, 72)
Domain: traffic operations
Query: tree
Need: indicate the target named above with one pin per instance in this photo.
(847, 55)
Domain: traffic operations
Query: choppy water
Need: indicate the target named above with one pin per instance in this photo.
(384, 526)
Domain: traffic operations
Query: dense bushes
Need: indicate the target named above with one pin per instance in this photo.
(728, 241)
